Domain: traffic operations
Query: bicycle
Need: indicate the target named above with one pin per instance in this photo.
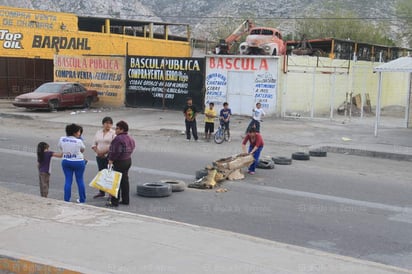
(221, 135)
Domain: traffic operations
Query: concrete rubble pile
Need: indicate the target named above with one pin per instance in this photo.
(228, 168)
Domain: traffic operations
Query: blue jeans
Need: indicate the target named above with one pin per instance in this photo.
(76, 167)
(256, 155)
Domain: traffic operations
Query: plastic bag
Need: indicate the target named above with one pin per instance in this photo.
(107, 180)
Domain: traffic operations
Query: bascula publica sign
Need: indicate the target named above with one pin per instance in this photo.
(154, 81)
(102, 73)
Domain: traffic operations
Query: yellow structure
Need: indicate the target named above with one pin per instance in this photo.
(42, 34)
(33, 44)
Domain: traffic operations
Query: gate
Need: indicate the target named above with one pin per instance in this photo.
(22, 75)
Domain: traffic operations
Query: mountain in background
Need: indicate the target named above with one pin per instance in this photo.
(210, 19)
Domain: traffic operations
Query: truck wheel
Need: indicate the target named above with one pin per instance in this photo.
(177, 185)
(154, 190)
(300, 156)
(53, 105)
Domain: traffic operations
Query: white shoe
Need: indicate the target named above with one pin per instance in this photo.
(78, 201)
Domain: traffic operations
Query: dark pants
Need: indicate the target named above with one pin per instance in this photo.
(101, 164)
(122, 166)
(253, 124)
(191, 125)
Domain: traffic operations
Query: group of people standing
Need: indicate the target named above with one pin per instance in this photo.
(113, 148)
(252, 136)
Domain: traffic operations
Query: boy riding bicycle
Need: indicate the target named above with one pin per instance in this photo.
(225, 114)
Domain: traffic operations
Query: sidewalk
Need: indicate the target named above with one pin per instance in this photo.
(341, 135)
(58, 237)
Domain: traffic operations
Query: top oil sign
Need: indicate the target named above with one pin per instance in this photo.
(41, 34)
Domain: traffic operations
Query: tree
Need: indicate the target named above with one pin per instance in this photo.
(404, 12)
(344, 26)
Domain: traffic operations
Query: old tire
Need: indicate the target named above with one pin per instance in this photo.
(317, 153)
(266, 164)
(300, 156)
(177, 185)
(282, 160)
(154, 190)
(201, 173)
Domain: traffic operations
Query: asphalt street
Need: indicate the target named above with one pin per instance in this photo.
(343, 204)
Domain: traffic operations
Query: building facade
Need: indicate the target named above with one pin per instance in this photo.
(30, 40)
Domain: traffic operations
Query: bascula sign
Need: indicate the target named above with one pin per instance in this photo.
(156, 80)
(102, 73)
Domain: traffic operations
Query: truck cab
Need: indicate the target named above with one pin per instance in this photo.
(263, 41)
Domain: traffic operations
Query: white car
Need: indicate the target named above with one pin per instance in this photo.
(263, 41)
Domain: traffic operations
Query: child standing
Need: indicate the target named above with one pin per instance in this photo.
(258, 113)
(43, 164)
(225, 114)
(210, 115)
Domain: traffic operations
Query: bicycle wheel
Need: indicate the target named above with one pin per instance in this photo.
(219, 137)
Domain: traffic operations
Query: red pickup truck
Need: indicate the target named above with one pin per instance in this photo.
(54, 95)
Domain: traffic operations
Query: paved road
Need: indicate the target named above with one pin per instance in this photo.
(329, 204)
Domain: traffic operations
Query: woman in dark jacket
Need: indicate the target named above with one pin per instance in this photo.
(120, 157)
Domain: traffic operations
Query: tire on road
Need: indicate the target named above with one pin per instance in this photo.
(317, 153)
(282, 160)
(201, 173)
(177, 185)
(266, 164)
(155, 190)
(300, 156)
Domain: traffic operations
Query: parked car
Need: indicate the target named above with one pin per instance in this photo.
(54, 95)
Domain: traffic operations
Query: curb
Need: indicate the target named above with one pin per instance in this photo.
(365, 152)
(20, 263)
(12, 264)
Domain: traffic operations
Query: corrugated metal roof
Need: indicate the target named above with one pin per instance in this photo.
(403, 64)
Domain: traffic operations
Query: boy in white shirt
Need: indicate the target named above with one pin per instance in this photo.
(258, 113)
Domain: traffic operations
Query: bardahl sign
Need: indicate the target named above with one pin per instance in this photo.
(164, 81)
